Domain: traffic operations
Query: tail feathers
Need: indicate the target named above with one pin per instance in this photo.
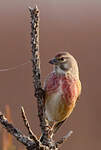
(55, 129)
(58, 125)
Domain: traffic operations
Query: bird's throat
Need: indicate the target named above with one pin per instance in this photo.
(60, 71)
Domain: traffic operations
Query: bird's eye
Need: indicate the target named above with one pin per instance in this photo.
(62, 58)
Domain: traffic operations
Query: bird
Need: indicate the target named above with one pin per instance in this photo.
(62, 89)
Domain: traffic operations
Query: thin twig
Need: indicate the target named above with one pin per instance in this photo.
(29, 143)
(64, 139)
(35, 144)
(27, 125)
(15, 132)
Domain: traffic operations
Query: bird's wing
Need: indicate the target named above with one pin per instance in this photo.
(59, 124)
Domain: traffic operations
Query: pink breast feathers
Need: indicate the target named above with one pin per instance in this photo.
(52, 83)
(69, 86)
(70, 89)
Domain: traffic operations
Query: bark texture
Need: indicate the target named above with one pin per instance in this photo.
(32, 142)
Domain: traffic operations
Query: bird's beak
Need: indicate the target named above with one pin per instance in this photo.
(53, 61)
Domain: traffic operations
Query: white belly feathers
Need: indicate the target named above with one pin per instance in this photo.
(52, 103)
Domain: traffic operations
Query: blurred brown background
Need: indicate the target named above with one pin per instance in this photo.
(69, 25)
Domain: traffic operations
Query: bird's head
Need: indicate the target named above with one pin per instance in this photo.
(65, 63)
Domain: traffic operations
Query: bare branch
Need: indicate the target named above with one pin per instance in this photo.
(32, 142)
(15, 132)
(63, 139)
(27, 125)
(39, 92)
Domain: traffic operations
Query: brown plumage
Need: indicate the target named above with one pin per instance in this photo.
(62, 88)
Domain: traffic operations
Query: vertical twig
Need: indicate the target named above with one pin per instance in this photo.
(39, 92)
(46, 143)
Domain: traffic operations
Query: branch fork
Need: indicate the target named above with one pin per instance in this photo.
(32, 142)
